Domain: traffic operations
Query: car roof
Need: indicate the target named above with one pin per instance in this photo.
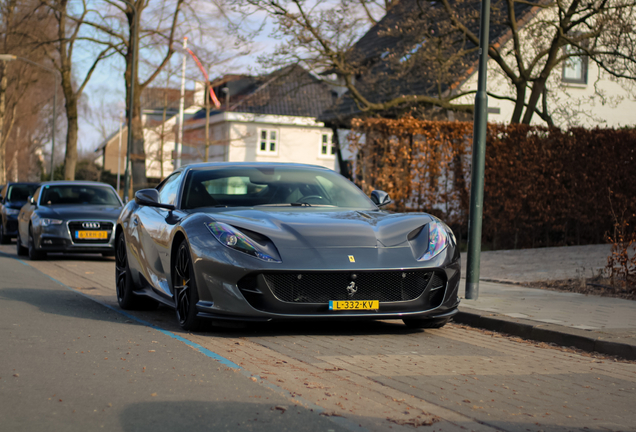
(203, 165)
(73, 183)
(23, 183)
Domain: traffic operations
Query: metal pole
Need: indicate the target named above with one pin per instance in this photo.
(133, 76)
(119, 155)
(178, 146)
(479, 160)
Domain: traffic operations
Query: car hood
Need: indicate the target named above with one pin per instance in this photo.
(321, 228)
(84, 212)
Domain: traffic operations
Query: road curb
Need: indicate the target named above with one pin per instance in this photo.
(586, 340)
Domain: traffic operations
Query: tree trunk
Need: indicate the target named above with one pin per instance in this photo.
(3, 92)
(137, 149)
(537, 91)
(519, 104)
(70, 159)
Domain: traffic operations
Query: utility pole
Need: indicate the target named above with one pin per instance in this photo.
(479, 160)
(179, 145)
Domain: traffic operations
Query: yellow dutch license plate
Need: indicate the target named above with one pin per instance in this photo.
(91, 234)
(354, 305)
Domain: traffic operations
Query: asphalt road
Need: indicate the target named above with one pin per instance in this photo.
(69, 359)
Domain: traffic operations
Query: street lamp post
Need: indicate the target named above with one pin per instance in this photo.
(479, 160)
(11, 57)
(133, 74)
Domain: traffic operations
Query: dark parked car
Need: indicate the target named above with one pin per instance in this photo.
(12, 197)
(260, 242)
(69, 216)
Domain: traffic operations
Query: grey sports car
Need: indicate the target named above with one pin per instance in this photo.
(69, 216)
(273, 241)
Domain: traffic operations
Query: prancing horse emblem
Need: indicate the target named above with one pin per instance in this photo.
(351, 289)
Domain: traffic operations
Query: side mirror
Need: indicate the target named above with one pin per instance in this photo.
(31, 200)
(380, 198)
(150, 198)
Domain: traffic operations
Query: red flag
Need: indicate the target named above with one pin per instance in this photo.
(207, 79)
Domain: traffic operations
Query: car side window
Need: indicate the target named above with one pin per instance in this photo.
(169, 190)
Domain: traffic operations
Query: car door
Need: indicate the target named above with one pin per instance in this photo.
(24, 217)
(155, 227)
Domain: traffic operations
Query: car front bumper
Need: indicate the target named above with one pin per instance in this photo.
(231, 285)
(58, 238)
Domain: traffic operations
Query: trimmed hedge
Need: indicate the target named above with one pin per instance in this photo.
(543, 186)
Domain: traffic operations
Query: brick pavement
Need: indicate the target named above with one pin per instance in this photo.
(372, 372)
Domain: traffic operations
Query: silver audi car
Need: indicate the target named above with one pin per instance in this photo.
(69, 216)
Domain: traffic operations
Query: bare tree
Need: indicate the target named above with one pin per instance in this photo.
(421, 52)
(25, 91)
(70, 22)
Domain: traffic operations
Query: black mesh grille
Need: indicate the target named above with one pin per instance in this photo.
(393, 286)
(77, 226)
(12, 225)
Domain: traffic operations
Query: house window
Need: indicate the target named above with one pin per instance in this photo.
(575, 67)
(268, 141)
(326, 146)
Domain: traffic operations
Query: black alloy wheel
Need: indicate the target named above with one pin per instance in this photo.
(20, 250)
(34, 254)
(185, 289)
(4, 239)
(124, 283)
(426, 323)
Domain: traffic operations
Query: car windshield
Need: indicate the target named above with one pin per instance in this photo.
(271, 186)
(78, 194)
(20, 193)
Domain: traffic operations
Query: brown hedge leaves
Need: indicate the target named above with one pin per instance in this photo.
(543, 186)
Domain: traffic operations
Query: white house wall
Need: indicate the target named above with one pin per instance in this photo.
(603, 101)
(295, 144)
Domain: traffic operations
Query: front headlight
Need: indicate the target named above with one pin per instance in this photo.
(49, 222)
(230, 237)
(11, 211)
(437, 240)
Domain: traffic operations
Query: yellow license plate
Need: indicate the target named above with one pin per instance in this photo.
(354, 305)
(91, 234)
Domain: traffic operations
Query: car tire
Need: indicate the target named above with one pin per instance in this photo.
(34, 254)
(124, 284)
(20, 250)
(186, 295)
(4, 239)
(426, 323)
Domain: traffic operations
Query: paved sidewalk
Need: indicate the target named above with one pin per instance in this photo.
(587, 322)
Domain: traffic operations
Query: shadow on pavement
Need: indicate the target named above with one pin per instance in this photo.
(195, 416)
(64, 303)
(315, 328)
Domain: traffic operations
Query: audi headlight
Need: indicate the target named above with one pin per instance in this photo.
(437, 240)
(49, 222)
(11, 211)
(232, 238)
